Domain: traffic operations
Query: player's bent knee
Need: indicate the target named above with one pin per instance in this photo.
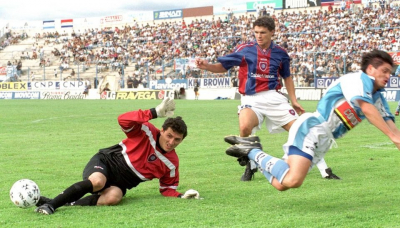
(292, 182)
(280, 187)
(110, 196)
(110, 200)
(97, 183)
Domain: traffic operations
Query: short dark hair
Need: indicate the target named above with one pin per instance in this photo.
(176, 124)
(265, 21)
(375, 58)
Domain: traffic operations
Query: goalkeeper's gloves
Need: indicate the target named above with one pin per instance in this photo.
(190, 194)
(166, 108)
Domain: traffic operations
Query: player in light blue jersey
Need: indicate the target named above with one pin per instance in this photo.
(345, 104)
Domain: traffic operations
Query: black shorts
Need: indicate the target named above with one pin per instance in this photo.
(97, 165)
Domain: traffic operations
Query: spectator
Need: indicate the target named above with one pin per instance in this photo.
(235, 81)
(64, 66)
(72, 73)
(86, 90)
(32, 76)
(19, 68)
(106, 88)
(301, 32)
(144, 82)
(309, 81)
(136, 82)
(129, 82)
(121, 82)
(8, 32)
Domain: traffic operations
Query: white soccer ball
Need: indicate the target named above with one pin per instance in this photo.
(25, 193)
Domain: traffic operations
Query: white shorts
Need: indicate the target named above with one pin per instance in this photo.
(271, 106)
(310, 133)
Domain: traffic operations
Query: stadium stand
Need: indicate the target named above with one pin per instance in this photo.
(321, 41)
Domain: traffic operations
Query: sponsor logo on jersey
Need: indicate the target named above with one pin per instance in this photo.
(262, 76)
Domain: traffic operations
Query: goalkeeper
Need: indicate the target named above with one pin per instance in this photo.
(145, 154)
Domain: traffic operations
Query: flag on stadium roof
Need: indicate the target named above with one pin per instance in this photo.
(67, 23)
(48, 24)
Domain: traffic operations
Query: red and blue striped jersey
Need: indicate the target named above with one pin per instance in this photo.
(259, 70)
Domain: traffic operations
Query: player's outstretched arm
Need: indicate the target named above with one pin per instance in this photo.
(375, 118)
(215, 68)
(393, 126)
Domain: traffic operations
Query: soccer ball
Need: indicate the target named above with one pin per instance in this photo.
(25, 193)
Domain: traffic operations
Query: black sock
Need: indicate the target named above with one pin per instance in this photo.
(73, 193)
(86, 201)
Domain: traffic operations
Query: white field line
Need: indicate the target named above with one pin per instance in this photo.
(382, 146)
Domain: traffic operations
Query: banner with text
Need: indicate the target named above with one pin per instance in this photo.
(144, 95)
(13, 86)
(395, 57)
(19, 95)
(306, 94)
(112, 19)
(167, 14)
(62, 95)
(391, 95)
(394, 82)
(211, 83)
(337, 2)
(291, 4)
(325, 82)
(174, 84)
(56, 85)
(252, 6)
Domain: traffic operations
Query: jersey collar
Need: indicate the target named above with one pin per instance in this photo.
(271, 46)
(158, 144)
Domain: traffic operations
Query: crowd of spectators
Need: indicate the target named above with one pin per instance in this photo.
(322, 42)
(329, 42)
(11, 38)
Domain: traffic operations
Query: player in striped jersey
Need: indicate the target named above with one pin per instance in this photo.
(346, 103)
(262, 64)
(145, 154)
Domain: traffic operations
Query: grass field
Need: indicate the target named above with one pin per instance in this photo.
(50, 142)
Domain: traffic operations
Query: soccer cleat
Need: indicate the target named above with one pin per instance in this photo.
(331, 175)
(42, 200)
(45, 209)
(248, 174)
(243, 161)
(232, 139)
(242, 150)
(397, 113)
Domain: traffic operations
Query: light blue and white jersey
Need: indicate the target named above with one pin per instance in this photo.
(340, 108)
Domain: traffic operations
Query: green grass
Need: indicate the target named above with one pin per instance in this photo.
(50, 142)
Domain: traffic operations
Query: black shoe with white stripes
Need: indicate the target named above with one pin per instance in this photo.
(45, 209)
